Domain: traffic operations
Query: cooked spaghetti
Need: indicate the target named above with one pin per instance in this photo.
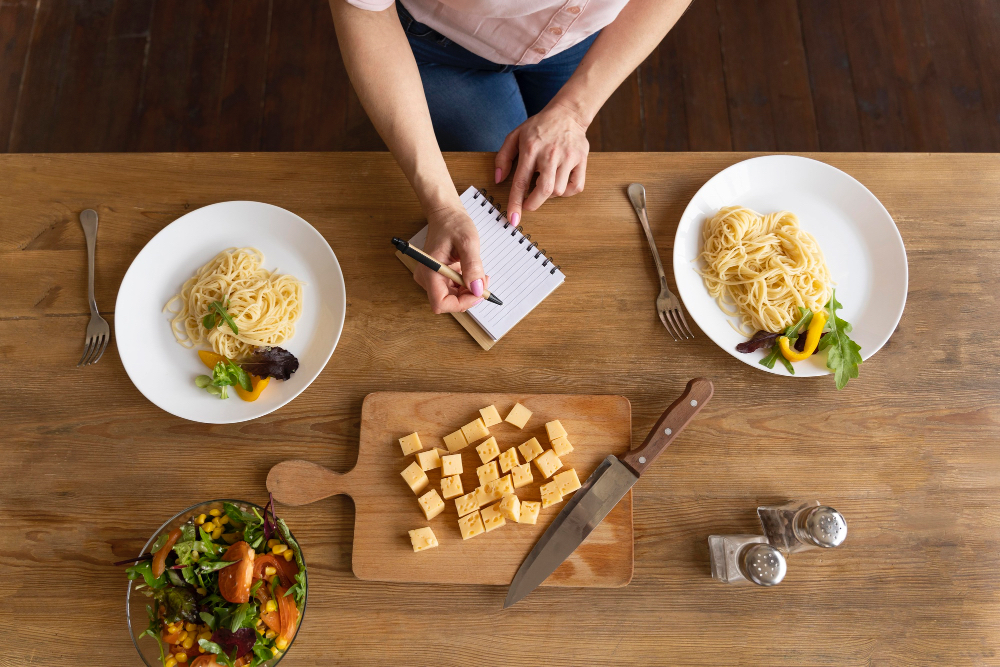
(263, 304)
(762, 268)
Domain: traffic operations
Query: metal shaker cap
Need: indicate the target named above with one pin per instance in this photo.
(762, 564)
(824, 527)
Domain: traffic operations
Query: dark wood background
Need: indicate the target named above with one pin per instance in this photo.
(247, 75)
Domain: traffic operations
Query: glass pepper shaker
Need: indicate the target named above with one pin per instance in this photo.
(800, 526)
(745, 559)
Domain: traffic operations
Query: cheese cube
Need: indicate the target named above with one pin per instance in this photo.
(423, 538)
(471, 525)
(486, 494)
(451, 487)
(568, 482)
(521, 475)
(430, 459)
(530, 449)
(554, 429)
(510, 507)
(475, 430)
(561, 446)
(452, 465)
(488, 473)
(415, 477)
(492, 518)
(504, 485)
(467, 503)
(550, 494)
(488, 450)
(455, 441)
(529, 511)
(509, 459)
(490, 415)
(547, 463)
(431, 504)
(410, 443)
(518, 416)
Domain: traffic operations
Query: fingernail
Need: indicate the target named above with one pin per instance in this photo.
(498, 172)
(477, 287)
(515, 218)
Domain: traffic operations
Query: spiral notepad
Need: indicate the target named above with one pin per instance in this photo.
(520, 272)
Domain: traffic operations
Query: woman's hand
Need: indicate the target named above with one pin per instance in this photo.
(452, 239)
(552, 143)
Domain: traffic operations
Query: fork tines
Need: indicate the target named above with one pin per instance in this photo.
(675, 317)
(93, 348)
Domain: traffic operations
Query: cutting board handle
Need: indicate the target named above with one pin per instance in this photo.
(297, 482)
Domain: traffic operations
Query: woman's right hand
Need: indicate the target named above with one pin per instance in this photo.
(452, 239)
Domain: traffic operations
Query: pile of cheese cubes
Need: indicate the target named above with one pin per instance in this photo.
(495, 500)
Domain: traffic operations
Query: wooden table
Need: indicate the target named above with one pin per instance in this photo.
(909, 452)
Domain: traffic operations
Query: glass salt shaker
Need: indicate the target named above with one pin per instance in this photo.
(745, 559)
(800, 526)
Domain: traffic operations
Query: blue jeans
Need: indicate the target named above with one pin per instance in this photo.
(474, 102)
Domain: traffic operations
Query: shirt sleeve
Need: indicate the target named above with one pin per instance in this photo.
(372, 5)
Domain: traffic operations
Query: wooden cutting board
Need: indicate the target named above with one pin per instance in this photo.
(386, 508)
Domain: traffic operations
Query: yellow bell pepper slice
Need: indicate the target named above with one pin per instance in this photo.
(210, 359)
(812, 339)
(259, 384)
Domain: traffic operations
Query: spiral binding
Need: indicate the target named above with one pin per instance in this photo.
(496, 206)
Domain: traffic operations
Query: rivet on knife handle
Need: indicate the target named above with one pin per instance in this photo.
(670, 424)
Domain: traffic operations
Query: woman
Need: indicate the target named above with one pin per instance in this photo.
(521, 77)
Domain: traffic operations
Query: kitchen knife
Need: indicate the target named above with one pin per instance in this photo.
(602, 491)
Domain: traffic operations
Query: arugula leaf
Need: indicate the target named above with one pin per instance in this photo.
(153, 630)
(256, 587)
(299, 587)
(217, 312)
(208, 618)
(241, 376)
(212, 566)
(843, 354)
(212, 647)
(237, 515)
(769, 360)
(145, 570)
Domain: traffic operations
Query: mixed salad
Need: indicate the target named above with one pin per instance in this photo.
(227, 588)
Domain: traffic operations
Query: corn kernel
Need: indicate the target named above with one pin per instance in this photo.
(181, 657)
(270, 606)
(200, 590)
(275, 652)
(205, 635)
(201, 650)
(278, 549)
(208, 526)
(190, 626)
(223, 520)
(217, 533)
(270, 634)
(184, 635)
(215, 512)
(272, 542)
(260, 630)
(288, 555)
(195, 556)
(200, 519)
(188, 643)
(170, 662)
(270, 571)
(281, 643)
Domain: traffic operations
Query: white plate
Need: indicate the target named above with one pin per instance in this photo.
(863, 248)
(162, 369)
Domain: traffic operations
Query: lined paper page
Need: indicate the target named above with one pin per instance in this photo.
(519, 274)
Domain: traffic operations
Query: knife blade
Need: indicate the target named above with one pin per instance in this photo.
(605, 487)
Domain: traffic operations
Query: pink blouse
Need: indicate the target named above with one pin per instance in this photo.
(510, 32)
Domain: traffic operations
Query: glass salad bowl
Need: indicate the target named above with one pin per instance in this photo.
(140, 607)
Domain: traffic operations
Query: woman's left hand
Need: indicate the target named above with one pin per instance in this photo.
(553, 143)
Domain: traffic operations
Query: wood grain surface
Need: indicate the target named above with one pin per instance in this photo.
(908, 451)
(385, 509)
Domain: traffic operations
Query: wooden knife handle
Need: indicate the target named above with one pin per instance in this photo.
(670, 424)
(297, 482)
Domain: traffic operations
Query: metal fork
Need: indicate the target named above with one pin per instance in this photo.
(668, 306)
(98, 331)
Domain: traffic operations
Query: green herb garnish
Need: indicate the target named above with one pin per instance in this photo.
(225, 374)
(216, 313)
(843, 354)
